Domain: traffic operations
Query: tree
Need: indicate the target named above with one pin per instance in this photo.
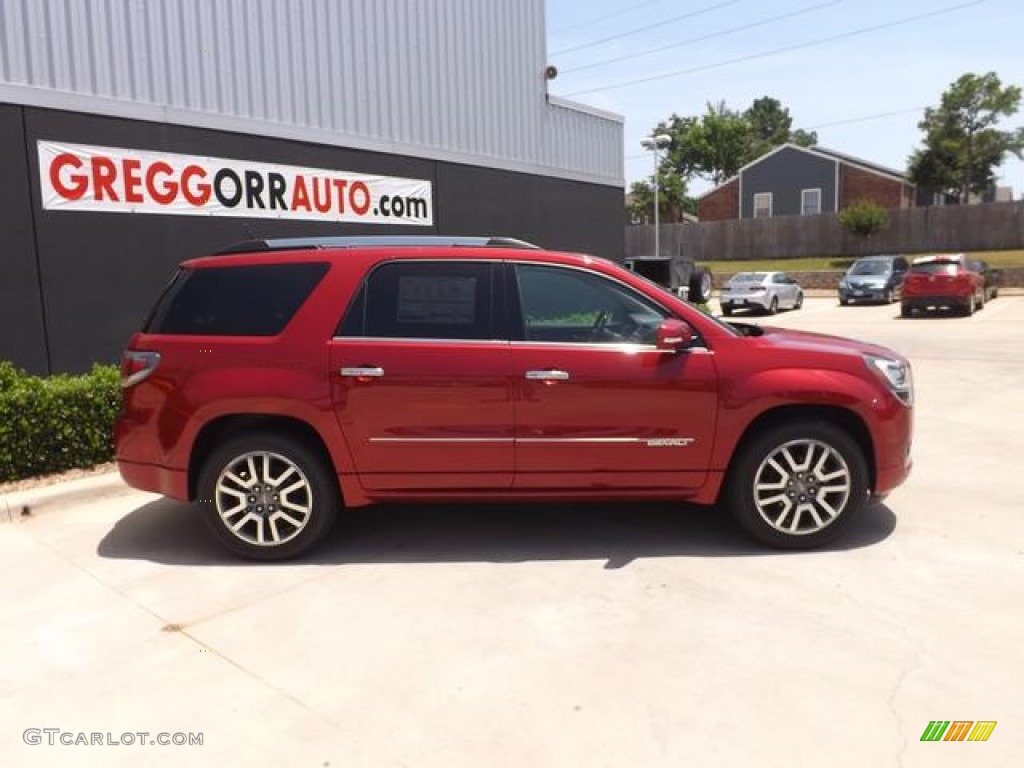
(864, 217)
(962, 146)
(673, 201)
(716, 144)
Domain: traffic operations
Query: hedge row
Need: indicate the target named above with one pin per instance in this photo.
(56, 423)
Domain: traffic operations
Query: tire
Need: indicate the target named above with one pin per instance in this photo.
(287, 464)
(906, 310)
(843, 302)
(799, 300)
(969, 306)
(773, 308)
(833, 460)
(995, 293)
(726, 310)
(700, 285)
(888, 297)
(981, 300)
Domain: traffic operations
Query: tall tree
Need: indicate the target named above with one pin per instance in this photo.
(770, 126)
(962, 147)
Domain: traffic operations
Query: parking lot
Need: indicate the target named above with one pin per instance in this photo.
(626, 635)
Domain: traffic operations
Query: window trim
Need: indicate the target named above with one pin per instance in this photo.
(803, 206)
(495, 303)
(771, 204)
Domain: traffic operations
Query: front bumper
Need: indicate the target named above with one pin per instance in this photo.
(863, 293)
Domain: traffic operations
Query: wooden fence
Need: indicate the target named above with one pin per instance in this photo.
(987, 227)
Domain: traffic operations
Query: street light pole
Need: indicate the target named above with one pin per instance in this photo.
(654, 143)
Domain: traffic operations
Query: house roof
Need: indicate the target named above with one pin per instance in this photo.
(823, 152)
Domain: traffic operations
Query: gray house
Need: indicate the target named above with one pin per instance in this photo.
(794, 181)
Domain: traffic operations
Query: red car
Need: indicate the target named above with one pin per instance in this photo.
(285, 381)
(944, 281)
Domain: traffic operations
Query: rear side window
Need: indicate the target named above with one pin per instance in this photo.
(424, 300)
(935, 268)
(255, 300)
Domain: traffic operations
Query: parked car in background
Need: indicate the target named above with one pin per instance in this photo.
(282, 382)
(990, 277)
(873, 278)
(943, 281)
(765, 291)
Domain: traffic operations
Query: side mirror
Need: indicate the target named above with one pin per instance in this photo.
(673, 335)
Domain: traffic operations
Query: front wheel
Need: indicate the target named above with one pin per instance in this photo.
(799, 301)
(773, 308)
(267, 496)
(797, 486)
(888, 297)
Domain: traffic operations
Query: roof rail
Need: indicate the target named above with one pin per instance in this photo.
(372, 241)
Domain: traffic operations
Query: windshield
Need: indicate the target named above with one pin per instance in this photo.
(870, 268)
(748, 277)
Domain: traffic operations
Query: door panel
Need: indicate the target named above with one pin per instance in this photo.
(439, 416)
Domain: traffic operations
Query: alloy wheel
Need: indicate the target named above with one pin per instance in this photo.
(263, 498)
(802, 487)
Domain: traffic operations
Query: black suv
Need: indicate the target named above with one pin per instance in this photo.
(873, 278)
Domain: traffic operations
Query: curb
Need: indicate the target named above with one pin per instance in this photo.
(24, 505)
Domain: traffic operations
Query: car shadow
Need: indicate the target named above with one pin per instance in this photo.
(169, 532)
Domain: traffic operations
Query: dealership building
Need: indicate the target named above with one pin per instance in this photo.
(136, 134)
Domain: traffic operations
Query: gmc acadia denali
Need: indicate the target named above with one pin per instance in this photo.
(283, 381)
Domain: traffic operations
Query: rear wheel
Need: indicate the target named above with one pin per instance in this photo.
(969, 306)
(267, 496)
(773, 308)
(799, 300)
(797, 486)
(906, 310)
(981, 300)
(700, 285)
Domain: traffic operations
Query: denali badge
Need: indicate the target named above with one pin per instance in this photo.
(670, 442)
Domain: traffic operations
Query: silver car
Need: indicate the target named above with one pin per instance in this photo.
(765, 291)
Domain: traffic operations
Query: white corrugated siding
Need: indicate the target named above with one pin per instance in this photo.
(450, 79)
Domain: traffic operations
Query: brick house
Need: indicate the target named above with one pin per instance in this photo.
(794, 181)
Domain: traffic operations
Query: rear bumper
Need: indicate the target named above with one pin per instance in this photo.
(745, 302)
(923, 302)
(155, 479)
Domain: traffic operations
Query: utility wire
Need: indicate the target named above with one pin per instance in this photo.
(638, 30)
(702, 38)
(612, 15)
(777, 51)
(865, 118)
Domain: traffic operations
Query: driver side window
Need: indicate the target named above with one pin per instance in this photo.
(564, 305)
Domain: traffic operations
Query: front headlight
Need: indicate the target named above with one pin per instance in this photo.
(844, 283)
(896, 374)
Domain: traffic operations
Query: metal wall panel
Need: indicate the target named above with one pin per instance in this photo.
(457, 80)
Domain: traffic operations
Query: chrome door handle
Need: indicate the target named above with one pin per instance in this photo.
(363, 373)
(549, 375)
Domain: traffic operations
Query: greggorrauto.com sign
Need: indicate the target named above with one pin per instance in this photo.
(77, 177)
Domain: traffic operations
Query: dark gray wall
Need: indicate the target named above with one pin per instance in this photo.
(785, 174)
(99, 273)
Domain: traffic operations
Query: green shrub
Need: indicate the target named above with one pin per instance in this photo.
(56, 423)
(864, 218)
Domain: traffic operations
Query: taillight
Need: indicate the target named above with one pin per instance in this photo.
(756, 288)
(136, 366)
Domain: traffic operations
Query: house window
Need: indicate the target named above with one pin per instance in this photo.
(810, 202)
(762, 205)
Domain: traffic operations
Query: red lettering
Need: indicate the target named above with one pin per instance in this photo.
(132, 181)
(359, 207)
(339, 189)
(104, 173)
(322, 205)
(79, 182)
(300, 196)
(166, 193)
(198, 194)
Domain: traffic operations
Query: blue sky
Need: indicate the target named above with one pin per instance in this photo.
(898, 69)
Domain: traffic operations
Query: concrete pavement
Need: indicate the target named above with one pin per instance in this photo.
(643, 635)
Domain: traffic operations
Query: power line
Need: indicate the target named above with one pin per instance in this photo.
(865, 118)
(720, 33)
(599, 19)
(777, 51)
(645, 28)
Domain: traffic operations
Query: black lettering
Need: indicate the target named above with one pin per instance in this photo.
(416, 208)
(277, 190)
(385, 205)
(253, 189)
(398, 207)
(228, 201)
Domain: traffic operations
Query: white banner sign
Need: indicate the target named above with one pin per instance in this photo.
(76, 177)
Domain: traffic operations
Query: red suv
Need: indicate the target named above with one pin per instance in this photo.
(284, 381)
(942, 281)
